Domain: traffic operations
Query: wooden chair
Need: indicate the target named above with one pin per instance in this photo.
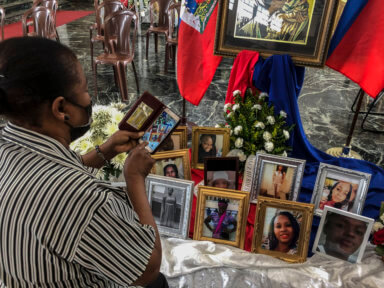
(53, 6)
(2, 17)
(119, 48)
(102, 11)
(162, 26)
(42, 21)
(171, 40)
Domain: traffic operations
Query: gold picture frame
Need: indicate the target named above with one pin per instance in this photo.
(269, 29)
(178, 158)
(182, 132)
(275, 214)
(219, 141)
(235, 202)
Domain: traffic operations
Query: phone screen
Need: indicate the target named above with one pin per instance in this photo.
(160, 129)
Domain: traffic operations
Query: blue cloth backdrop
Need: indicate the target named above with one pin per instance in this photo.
(282, 80)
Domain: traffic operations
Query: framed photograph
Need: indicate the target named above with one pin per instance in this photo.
(208, 142)
(221, 172)
(276, 177)
(282, 229)
(300, 28)
(170, 200)
(221, 216)
(341, 188)
(173, 164)
(176, 141)
(342, 235)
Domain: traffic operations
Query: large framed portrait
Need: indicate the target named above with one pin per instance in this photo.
(300, 28)
(342, 235)
(208, 142)
(274, 176)
(173, 164)
(170, 200)
(341, 188)
(221, 172)
(221, 216)
(282, 229)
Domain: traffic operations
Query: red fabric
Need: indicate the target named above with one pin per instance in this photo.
(241, 73)
(359, 55)
(62, 17)
(197, 177)
(196, 64)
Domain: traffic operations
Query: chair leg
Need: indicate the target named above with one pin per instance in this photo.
(136, 79)
(121, 72)
(146, 47)
(95, 77)
(92, 62)
(174, 56)
(166, 58)
(156, 41)
(57, 36)
(115, 75)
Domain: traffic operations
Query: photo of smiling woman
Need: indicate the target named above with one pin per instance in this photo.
(338, 193)
(281, 232)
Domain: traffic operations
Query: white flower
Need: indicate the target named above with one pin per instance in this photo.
(119, 160)
(236, 92)
(231, 132)
(271, 120)
(110, 129)
(267, 136)
(382, 217)
(229, 114)
(242, 156)
(117, 116)
(284, 154)
(283, 114)
(217, 126)
(239, 142)
(286, 134)
(227, 126)
(256, 107)
(269, 146)
(377, 226)
(238, 130)
(227, 106)
(263, 95)
(261, 152)
(235, 107)
(260, 125)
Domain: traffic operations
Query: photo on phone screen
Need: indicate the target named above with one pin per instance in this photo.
(160, 129)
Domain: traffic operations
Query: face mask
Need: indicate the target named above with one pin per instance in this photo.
(77, 132)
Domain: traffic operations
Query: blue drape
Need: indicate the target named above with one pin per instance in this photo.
(282, 80)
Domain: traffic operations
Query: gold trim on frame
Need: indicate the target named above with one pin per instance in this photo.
(184, 153)
(197, 131)
(241, 196)
(182, 132)
(305, 227)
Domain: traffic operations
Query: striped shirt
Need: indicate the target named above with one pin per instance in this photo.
(59, 225)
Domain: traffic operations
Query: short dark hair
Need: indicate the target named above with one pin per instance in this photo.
(174, 167)
(346, 200)
(34, 71)
(295, 226)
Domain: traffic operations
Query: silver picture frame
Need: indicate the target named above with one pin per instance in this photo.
(172, 211)
(342, 235)
(255, 183)
(330, 174)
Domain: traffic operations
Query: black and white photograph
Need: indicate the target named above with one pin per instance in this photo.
(342, 235)
(170, 201)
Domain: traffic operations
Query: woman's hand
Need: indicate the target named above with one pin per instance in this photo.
(139, 162)
(121, 141)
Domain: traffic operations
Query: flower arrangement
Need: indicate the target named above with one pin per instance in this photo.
(378, 232)
(105, 123)
(255, 127)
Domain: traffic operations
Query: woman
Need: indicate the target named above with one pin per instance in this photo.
(207, 147)
(339, 196)
(278, 180)
(168, 209)
(283, 233)
(56, 217)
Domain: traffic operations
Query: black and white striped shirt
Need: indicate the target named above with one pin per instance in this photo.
(59, 225)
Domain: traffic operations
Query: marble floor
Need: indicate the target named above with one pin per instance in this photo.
(324, 102)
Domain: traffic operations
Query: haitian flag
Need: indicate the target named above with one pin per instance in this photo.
(196, 64)
(357, 47)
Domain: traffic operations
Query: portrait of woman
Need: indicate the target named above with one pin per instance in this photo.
(207, 147)
(278, 178)
(170, 167)
(168, 209)
(338, 195)
(284, 231)
(170, 170)
(221, 222)
(277, 181)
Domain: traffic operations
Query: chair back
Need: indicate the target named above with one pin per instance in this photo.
(162, 7)
(42, 22)
(104, 10)
(118, 33)
(2, 17)
(173, 21)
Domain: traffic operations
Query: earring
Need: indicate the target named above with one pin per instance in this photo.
(66, 117)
